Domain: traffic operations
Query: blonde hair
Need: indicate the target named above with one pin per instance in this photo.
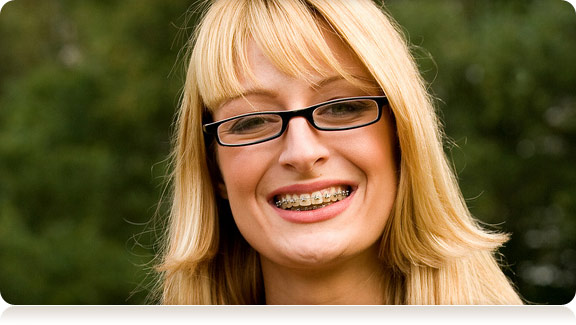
(433, 248)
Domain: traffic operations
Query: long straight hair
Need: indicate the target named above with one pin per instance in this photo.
(435, 251)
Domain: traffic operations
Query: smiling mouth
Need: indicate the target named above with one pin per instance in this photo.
(312, 201)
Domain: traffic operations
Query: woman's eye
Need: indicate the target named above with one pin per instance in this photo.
(340, 110)
(248, 124)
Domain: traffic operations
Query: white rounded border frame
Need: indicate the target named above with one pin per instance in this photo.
(252, 315)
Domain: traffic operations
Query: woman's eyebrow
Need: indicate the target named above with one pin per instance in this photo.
(328, 80)
(359, 80)
(249, 92)
(272, 94)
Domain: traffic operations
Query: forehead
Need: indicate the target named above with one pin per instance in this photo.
(265, 78)
(336, 58)
(300, 44)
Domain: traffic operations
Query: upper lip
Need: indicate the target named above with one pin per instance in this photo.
(309, 187)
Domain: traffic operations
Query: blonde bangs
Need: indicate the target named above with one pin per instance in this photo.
(290, 33)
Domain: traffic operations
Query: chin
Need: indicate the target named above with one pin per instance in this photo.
(314, 251)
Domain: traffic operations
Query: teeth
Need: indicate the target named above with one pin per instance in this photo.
(334, 196)
(315, 200)
(295, 200)
(305, 200)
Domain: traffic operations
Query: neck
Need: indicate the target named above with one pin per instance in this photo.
(357, 281)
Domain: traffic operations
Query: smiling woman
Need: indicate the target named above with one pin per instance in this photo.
(308, 168)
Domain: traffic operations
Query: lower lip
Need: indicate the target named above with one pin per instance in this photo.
(317, 215)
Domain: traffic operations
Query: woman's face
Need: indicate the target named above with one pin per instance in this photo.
(304, 161)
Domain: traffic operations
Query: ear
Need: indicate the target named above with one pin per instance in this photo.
(222, 190)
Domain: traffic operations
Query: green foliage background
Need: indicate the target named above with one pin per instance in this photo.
(88, 90)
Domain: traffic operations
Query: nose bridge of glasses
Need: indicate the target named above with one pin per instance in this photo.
(299, 130)
(306, 113)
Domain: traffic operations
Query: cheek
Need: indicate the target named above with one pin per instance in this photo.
(375, 157)
(375, 154)
(241, 171)
(384, 158)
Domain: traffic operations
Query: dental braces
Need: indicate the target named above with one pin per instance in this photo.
(326, 196)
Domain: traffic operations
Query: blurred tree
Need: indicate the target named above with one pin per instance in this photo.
(505, 79)
(88, 90)
(87, 98)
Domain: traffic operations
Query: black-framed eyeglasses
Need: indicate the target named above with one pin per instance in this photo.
(335, 115)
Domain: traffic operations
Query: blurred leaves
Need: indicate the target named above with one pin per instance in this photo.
(86, 105)
(505, 78)
(88, 90)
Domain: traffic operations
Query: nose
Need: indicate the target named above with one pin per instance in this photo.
(303, 149)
